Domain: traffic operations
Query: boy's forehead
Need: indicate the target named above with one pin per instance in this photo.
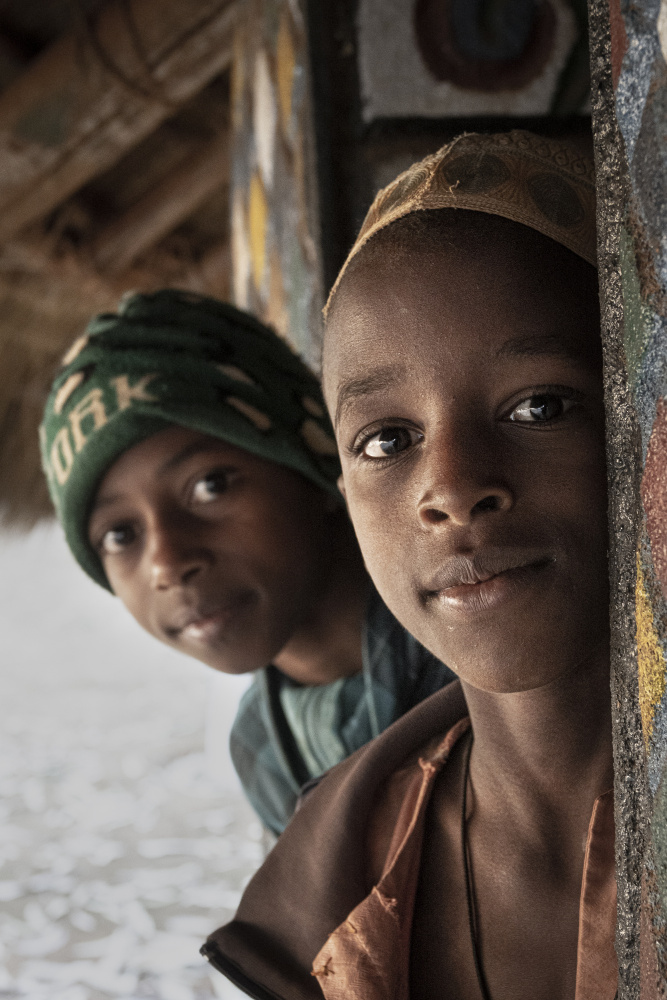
(511, 304)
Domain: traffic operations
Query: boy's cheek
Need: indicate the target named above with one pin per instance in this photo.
(383, 536)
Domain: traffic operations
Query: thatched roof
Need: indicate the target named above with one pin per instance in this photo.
(114, 175)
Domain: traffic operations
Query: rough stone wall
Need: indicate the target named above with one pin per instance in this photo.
(629, 97)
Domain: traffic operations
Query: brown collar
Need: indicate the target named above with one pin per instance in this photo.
(368, 955)
(318, 871)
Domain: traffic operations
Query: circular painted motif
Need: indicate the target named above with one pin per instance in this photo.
(487, 45)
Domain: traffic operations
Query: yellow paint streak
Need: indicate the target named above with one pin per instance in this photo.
(258, 212)
(650, 658)
(276, 314)
(285, 65)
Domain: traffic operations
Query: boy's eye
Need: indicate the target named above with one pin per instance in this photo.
(538, 409)
(210, 487)
(389, 442)
(116, 540)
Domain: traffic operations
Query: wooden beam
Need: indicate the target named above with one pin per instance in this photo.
(91, 96)
(33, 257)
(155, 215)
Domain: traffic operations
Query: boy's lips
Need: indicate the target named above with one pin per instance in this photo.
(479, 582)
(203, 622)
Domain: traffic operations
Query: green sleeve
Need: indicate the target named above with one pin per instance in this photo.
(264, 754)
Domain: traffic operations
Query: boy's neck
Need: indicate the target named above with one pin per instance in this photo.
(544, 756)
(327, 645)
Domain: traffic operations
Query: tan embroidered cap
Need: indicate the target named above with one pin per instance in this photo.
(545, 184)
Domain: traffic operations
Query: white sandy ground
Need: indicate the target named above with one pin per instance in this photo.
(124, 837)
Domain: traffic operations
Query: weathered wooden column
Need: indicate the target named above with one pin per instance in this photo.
(629, 88)
(276, 254)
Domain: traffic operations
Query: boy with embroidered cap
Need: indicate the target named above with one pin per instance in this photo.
(468, 852)
(191, 463)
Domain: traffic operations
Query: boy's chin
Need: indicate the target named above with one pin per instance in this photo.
(512, 679)
(236, 670)
(521, 646)
(514, 673)
(223, 663)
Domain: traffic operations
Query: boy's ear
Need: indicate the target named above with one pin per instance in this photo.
(341, 485)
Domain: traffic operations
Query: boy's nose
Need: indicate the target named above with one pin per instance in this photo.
(462, 484)
(173, 556)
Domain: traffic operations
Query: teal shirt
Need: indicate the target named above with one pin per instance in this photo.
(285, 733)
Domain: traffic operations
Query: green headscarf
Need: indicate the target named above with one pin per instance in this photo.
(176, 358)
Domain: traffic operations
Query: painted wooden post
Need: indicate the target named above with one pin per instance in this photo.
(629, 95)
(275, 235)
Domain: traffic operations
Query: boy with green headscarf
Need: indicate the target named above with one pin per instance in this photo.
(191, 464)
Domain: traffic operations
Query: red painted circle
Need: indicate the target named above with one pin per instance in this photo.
(446, 61)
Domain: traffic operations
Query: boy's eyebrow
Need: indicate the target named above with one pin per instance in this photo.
(194, 448)
(381, 379)
(536, 344)
(100, 502)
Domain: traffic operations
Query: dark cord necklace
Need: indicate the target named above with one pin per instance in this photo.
(470, 895)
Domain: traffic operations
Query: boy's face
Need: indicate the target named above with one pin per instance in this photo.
(213, 551)
(467, 397)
